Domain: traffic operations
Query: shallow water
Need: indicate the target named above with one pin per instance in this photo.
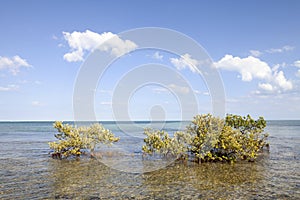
(27, 171)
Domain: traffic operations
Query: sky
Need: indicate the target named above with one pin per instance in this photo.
(253, 45)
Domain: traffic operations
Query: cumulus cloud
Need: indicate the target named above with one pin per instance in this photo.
(185, 61)
(74, 56)
(266, 86)
(157, 56)
(9, 88)
(13, 64)
(281, 81)
(88, 41)
(251, 67)
(278, 83)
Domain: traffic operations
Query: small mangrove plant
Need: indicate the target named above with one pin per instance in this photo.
(73, 141)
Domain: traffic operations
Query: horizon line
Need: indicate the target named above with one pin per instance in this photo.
(169, 120)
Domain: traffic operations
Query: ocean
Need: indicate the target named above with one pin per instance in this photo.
(27, 170)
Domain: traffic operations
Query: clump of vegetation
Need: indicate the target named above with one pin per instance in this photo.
(74, 141)
(161, 143)
(204, 131)
(210, 138)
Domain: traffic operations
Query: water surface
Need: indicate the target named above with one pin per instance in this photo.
(28, 172)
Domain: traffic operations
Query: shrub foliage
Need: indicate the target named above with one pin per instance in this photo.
(74, 141)
(210, 138)
(160, 142)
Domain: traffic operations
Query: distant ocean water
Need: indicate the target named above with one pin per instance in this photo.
(28, 172)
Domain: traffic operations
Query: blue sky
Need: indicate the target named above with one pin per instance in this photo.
(255, 45)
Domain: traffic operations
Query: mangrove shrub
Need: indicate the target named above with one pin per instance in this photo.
(73, 141)
(210, 138)
(159, 142)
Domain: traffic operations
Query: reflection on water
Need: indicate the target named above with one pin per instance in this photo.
(89, 179)
(28, 172)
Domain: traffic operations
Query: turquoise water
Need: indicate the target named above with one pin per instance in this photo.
(28, 172)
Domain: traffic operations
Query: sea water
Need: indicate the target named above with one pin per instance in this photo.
(27, 171)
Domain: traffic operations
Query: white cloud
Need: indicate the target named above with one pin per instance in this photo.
(157, 56)
(88, 41)
(9, 88)
(297, 63)
(281, 81)
(179, 89)
(185, 61)
(281, 50)
(255, 53)
(277, 84)
(251, 67)
(266, 86)
(13, 64)
(74, 56)
(277, 66)
(206, 93)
